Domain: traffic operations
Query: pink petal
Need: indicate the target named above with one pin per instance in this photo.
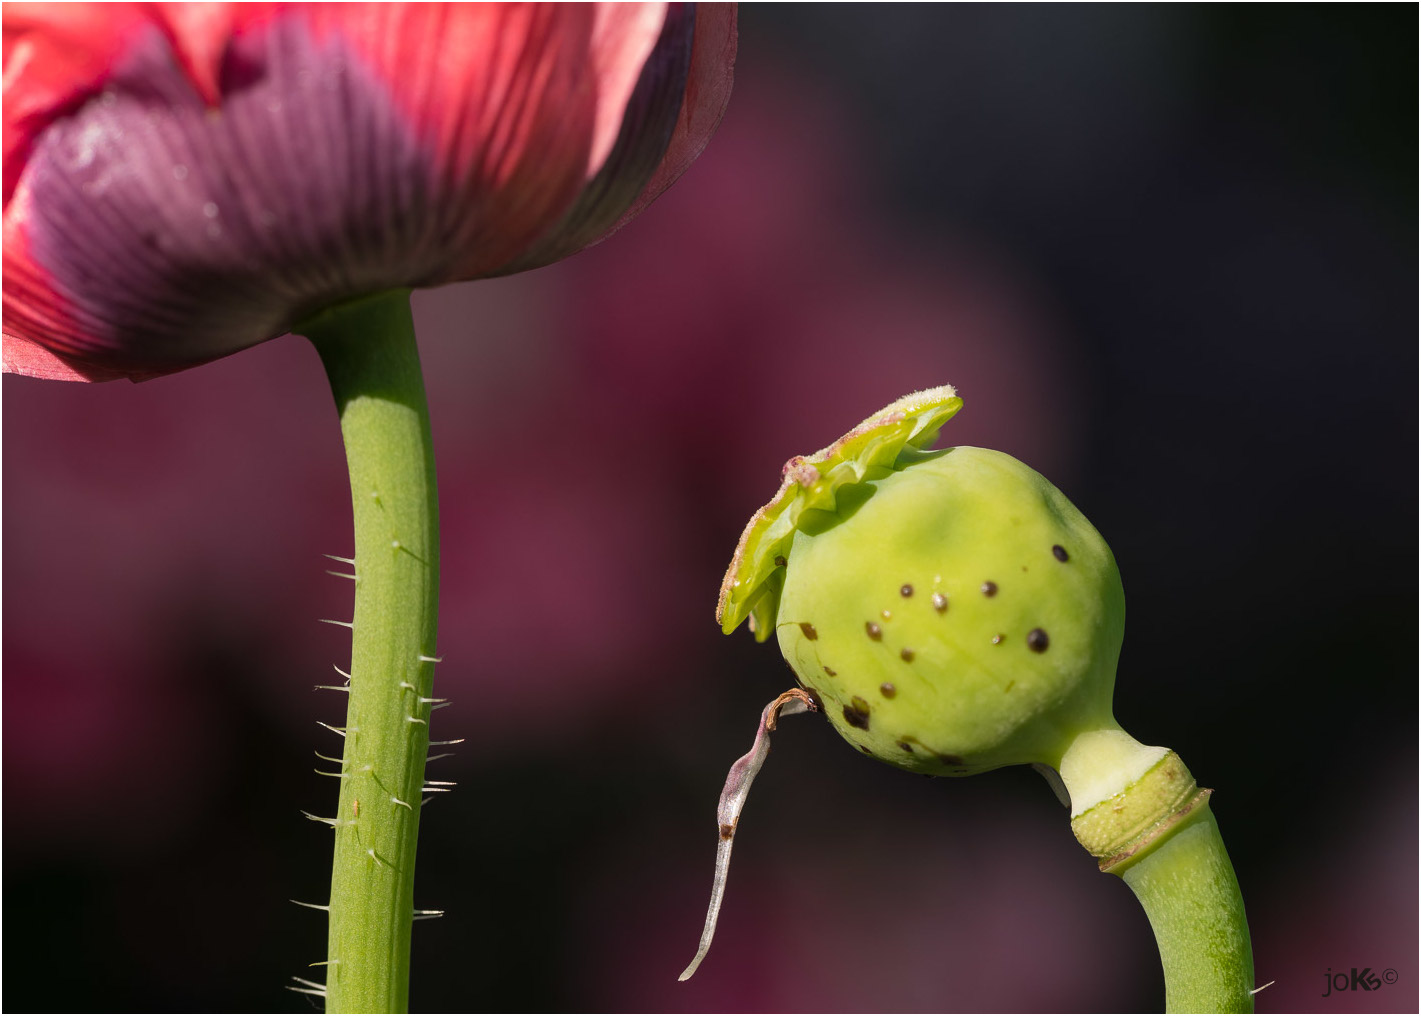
(707, 95)
(645, 118)
(622, 40)
(59, 54)
(30, 359)
(503, 96)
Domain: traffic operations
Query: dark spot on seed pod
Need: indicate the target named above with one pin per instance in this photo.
(906, 747)
(727, 831)
(831, 671)
(808, 630)
(874, 631)
(907, 654)
(780, 561)
(814, 697)
(939, 602)
(948, 760)
(888, 689)
(989, 589)
(1010, 685)
(856, 713)
(906, 590)
(997, 639)
(864, 750)
(1060, 553)
(1037, 640)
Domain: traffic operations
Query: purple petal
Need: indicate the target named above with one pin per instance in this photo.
(187, 232)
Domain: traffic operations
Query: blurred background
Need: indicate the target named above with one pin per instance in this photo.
(1167, 255)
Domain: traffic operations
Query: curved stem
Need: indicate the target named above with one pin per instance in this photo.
(1188, 889)
(1138, 810)
(369, 353)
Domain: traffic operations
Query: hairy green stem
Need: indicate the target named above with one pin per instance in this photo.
(369, 352)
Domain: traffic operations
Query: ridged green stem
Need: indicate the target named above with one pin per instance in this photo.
(369, 352)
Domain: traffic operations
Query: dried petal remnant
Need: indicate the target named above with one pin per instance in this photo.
(732, 801)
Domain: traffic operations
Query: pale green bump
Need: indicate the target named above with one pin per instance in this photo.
(952, 609)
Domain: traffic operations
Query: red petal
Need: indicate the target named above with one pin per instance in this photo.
(645, 118)
(59, 54)
(707, 94)
(622, 40)
(504, 95)
(198, 33)
(502, 114)
(55, 56)
(33, 309)
(21, 356)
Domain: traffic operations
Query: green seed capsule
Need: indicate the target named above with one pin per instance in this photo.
(950, 612)
(1024, 659)
(964, 615)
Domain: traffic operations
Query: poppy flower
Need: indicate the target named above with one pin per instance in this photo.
(183, 181)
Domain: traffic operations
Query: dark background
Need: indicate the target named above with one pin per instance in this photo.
(1168, 256)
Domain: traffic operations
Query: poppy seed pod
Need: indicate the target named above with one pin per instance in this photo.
(951, 610)
(183, 181)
